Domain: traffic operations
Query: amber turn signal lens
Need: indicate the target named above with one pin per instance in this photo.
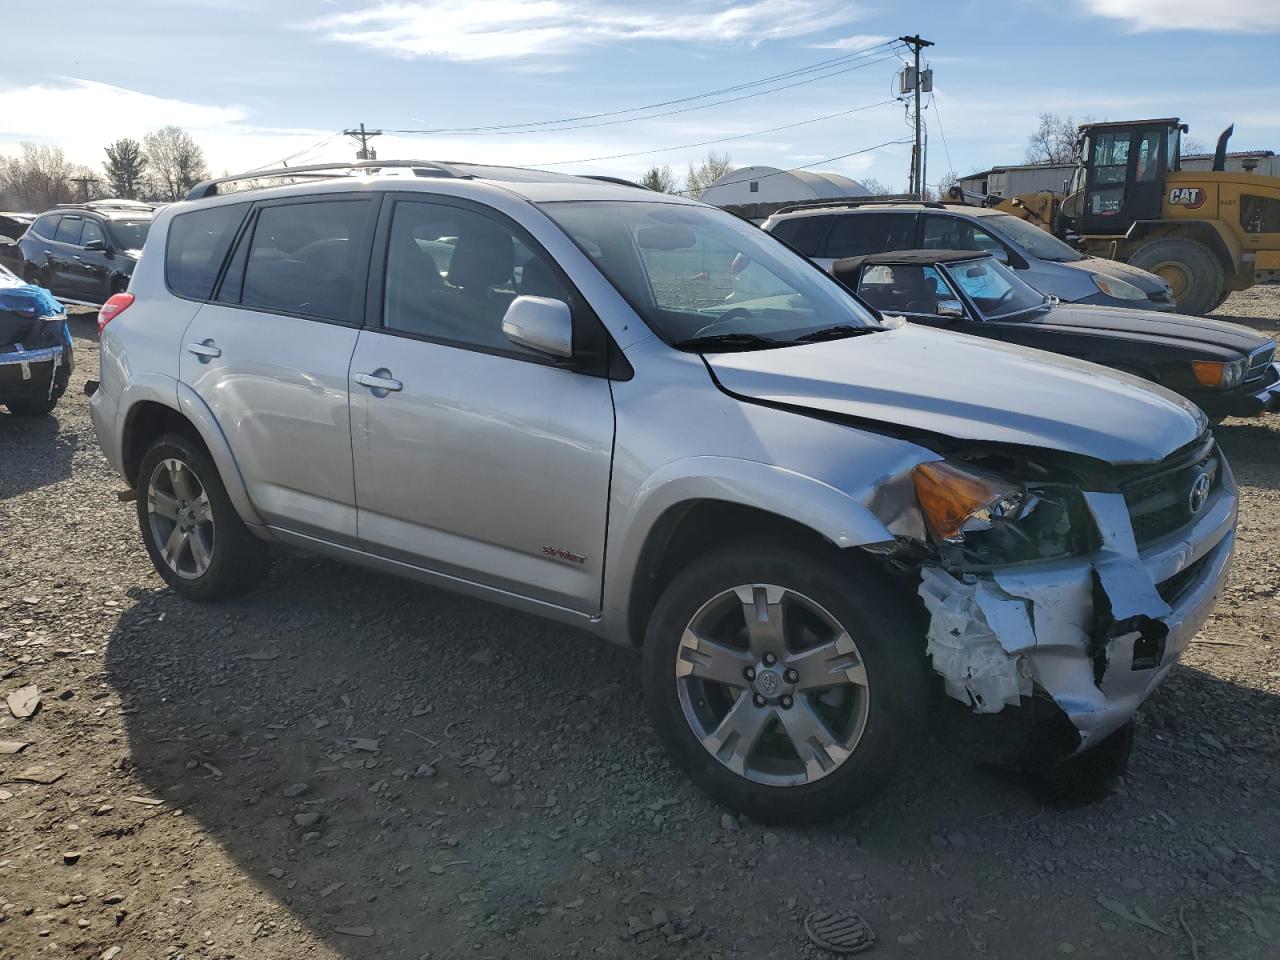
(950, 496)
(1209, 373)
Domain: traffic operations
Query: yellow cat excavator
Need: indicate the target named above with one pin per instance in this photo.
(1205, 232)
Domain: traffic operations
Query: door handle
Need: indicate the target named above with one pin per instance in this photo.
(380, 382)
(204, 351)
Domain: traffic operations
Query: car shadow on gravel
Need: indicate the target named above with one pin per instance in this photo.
(409, 771)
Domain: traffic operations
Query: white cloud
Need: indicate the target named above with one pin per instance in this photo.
(1237, 16)
(83, 116)
(476, 30)
(859, 41)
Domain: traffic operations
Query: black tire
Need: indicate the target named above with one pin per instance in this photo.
(37, 406)
(1204, 285)
(1221, 300)
(887, 627)
(238, 559)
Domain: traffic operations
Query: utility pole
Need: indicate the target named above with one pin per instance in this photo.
(85, 183)
(364, 136)
(917, 152)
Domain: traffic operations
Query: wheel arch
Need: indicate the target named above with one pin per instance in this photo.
(150, 417)
(697, 507)
(1220, 242)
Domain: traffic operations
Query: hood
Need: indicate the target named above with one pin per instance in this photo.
(1171, 328)
(970, 389)
(1144, 280)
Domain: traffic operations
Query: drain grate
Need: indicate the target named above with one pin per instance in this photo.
(839, 931)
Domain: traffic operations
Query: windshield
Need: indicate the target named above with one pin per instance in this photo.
(698, 275)
(1039, 243)
(994, 289)
(129, 234)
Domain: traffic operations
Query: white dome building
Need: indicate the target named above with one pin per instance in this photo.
(772, 185)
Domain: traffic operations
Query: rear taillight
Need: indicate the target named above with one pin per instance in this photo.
(117, 305)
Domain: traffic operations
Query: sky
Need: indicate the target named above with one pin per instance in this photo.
(260, 81)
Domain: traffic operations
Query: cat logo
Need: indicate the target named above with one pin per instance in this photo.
(1189, 197)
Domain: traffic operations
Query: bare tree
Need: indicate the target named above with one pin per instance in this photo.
(877, 188)
(660, 179)
(1191, 146)
(175, 160)
(1054, 141)
(125, 168)
(715, 166)
(37, 178)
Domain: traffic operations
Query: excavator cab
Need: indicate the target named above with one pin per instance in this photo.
(1119, 175)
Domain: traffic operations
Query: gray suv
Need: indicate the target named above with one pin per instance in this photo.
(546, 391)
(832, 231)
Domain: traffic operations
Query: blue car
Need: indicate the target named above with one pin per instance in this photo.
(36, 358)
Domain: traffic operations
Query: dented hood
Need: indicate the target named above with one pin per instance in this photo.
(970, 389)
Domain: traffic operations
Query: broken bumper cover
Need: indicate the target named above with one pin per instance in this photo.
(1097, 634)
(24, 370)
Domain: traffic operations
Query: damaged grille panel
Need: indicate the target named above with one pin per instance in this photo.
(1168, 499)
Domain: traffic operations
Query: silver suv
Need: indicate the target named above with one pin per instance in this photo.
(831, 231)
(547, 392)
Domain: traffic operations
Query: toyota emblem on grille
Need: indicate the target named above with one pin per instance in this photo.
(1198, 494)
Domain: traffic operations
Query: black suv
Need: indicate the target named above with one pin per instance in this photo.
(84, 253)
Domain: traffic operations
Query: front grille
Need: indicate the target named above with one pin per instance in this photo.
(1170, 590)
(1259, 360)
(1159, 500)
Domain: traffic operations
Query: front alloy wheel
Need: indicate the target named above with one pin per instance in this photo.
(785, 680)
(772, 685)
(181, 518)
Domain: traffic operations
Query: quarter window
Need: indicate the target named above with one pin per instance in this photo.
(198, 243)
(45, 227)
(452, 273)
(69, 231)
(861, 233)
(1259, 214)
(305, 258)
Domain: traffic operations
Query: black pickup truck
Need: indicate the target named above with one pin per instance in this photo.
(1226, 369)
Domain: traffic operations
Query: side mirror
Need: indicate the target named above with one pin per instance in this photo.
(541, 324)
(96, 245)
(950, 308)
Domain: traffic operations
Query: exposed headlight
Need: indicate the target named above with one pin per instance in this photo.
(978, 519)
(1217, 375)
(1115, 287)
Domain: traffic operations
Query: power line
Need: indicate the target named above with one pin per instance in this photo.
(284, 161)
(516, 129)
(933, 102)
(705, 143)
(803, 166)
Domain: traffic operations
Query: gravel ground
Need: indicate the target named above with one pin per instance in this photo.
(344, 765)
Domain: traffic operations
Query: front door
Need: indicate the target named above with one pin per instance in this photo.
(271, 356)
(475, 457)
(1124, 182)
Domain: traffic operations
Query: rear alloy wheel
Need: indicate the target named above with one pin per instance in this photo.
(1191, 270)
(782, 682)
(191, 530)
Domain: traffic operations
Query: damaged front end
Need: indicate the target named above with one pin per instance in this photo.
(1074, 585)
(35, 343)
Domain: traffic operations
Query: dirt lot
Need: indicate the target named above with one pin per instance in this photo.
(343, 765)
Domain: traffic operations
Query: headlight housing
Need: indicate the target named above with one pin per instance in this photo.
(1217, 375)
(1115, 287)
(978, 519)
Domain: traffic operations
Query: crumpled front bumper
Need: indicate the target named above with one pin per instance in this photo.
(1098, 634)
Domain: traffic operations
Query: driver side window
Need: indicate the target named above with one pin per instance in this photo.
(904, 288)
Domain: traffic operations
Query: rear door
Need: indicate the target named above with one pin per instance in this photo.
(270, 355)
(475, 457)
(855, 234)
(62, 253)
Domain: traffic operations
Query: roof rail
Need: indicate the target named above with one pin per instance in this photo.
(321, 171)
(106, 205)
(616, 180)
(859, 202)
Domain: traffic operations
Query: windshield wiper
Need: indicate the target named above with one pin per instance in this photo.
(728, 341)
(838, 332)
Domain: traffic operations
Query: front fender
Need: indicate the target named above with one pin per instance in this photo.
(836, 515)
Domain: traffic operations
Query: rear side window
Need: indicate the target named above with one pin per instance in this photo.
(856, 234)
(308, 259)
(803, 234)
(198, 243)
(69, 230)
